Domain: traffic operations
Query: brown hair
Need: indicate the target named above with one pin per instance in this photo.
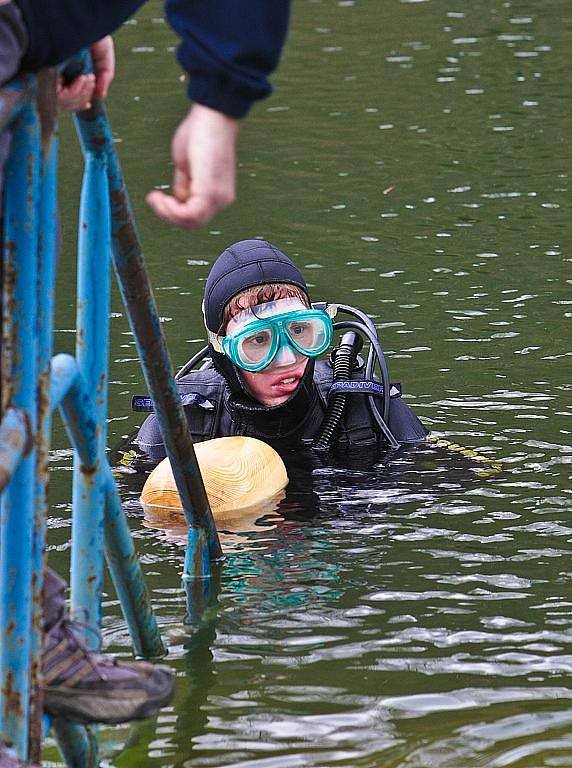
(260, 294)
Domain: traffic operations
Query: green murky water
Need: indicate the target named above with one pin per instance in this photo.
(415, 161)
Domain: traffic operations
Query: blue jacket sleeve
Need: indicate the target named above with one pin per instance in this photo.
(229, 47)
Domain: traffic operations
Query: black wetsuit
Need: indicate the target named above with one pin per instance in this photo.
(230, 410)
(214, 410)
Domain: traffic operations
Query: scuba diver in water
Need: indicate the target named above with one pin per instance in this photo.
(261, 376)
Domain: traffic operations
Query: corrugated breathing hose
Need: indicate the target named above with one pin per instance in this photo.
(344, 358)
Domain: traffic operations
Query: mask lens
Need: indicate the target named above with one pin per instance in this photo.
(255, 348)
(308, 334)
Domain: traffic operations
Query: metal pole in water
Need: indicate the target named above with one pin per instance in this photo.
(77, 743)
(15, 440)
(138, 298)
(127, 576)
(70, 393)
(92, 346)
(47, 259)
(30, 391)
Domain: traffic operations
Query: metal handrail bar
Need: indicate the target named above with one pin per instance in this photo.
(71, 394)
(20, 574)
(95, 134)
(29, 259)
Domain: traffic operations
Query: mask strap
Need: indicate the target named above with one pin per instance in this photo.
(215, 340)
(330, 309)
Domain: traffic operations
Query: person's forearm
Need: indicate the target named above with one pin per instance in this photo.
(229, 49)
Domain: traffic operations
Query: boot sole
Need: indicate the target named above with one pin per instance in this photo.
(110, 707)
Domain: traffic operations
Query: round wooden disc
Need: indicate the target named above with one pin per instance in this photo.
(238, 473)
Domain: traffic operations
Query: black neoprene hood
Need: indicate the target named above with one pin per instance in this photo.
(240, 266)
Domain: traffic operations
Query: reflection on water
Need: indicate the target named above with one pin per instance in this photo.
(172, 522)
(406, 611)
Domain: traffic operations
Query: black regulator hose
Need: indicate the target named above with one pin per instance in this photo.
(190, 364)
(375, 355)
(344, 358)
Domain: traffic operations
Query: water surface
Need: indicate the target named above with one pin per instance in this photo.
(414, 160)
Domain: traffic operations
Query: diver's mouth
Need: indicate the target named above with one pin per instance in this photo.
(287, 383)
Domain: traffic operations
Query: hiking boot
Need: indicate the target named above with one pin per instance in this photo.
(7, 760)
(85, 688)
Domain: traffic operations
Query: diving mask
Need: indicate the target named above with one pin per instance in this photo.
(256, 335)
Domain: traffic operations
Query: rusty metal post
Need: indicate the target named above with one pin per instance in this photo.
(17, 568)
(92, 346)
(14, 441)
(94, 131)
(47, 259)
(127, 576)
(77, 743)
(70, 393)
(29, 253)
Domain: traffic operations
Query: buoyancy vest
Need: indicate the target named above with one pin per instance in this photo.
(213, 411)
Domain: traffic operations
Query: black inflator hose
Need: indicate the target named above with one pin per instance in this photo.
(344, 359)
(190, 364)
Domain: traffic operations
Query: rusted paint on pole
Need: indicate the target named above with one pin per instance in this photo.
(47, 260)
(18, 571)
(92, 347)
(144, 318)
(29, 267)
(70, 392)
(77, 743)
(15, 440)
(127, 576)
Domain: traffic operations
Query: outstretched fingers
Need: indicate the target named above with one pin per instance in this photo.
(189, 214)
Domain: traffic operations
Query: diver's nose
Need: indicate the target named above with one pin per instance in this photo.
(285, 356)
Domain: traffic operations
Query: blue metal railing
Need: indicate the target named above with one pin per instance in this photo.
(34, 384)
(20, 538)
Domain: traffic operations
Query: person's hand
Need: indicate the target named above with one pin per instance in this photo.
(204, 180)
(77, 95)
(103, 58)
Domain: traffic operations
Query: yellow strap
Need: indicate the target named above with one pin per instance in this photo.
(494, 466)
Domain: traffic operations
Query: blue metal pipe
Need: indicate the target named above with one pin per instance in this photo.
(94, 132)
(77, 743)
(19, 390)
(92, 348)
(197, 561)
(127, 576)
(78, 413)
(30, 255)
(15, 439)
(47, 258)
(77, 409)
(197, 581)
(63, 373)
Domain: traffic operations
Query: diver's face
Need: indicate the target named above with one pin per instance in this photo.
(278, 381)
